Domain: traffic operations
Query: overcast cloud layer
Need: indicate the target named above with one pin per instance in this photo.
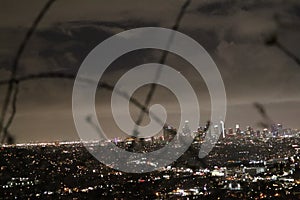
(233, 32)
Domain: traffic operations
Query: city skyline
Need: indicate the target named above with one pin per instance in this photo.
(160, 99)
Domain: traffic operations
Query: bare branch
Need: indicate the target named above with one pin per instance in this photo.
(162, 61)
(57, 75)
(15, 65)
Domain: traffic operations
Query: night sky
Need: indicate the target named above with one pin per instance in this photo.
(233, 32)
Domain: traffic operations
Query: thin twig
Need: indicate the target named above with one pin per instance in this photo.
(53, 75)
(14, 109)
(13, 81)
(15, 65)
(288, 52)
(162, 61)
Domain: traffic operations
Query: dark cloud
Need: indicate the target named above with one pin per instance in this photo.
(220, 8)
(232, 7)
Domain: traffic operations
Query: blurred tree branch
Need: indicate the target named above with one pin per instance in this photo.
(11, 85)
(161, 61)
(57, 75)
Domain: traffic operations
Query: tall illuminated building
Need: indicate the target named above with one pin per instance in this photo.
(280, 130)
(274, 130)
(237, 129)
(216, 130)
(169, 133)
(222, 126)
(186, 128)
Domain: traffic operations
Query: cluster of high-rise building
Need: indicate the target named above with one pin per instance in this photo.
(275, 130)
(219, 130)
